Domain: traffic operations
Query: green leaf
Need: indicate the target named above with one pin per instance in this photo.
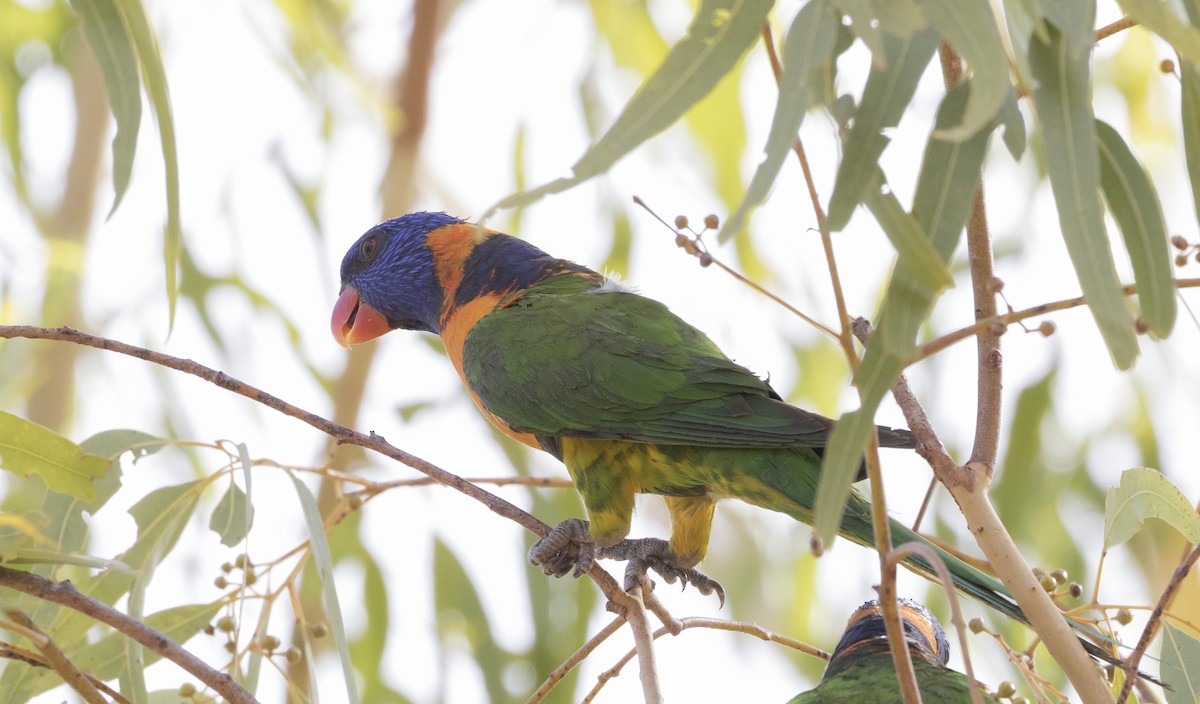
(323, 560)
(1014, 125)
(970, 26)
(1190, 126)
(1180, 666)
(28, 448)
(124, 42)
(806, 51)
(1146, 493)
(1157, 16)
(887, 94)
(110, 41)
(103, 659)
(113, 443)
(841, 461)
(1062, 101)
(232, 516)
(1134, 204)
(946, 187)
(155, 76)
(722, 31)
(916, 252)
(160, 517)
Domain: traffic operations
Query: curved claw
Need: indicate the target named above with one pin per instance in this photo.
(567, 546)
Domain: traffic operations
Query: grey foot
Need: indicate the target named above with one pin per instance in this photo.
(569, 548)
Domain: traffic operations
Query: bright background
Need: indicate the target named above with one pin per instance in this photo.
(264, 116)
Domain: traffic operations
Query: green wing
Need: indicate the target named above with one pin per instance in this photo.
(618, 365)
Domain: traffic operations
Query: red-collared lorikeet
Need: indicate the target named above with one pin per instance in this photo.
(861, 668)
(630, 397)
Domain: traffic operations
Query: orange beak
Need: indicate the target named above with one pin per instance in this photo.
(355, 321)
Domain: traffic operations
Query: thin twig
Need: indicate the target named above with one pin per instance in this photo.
(718, 624)
(1164, 602)
(695, 247)
(896, 556)
(937, 345)
(1112, 28)
(577, 657)
(65, 594)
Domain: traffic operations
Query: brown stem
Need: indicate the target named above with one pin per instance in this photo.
(65, 594)
(1113, 27)
(1164, 603)
(934, 346)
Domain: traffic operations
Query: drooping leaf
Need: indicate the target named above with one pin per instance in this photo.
(1180, 666)
(1146, 493)
(1133, 202)
(1062, 100)
(28, 448)
(232, 516)
(128, 53)
(323, 560)
(722, 31)
(913, 246)
(109, 38)
(970, 27)
(806, 50)
(886, 96)
(1190, 126)
(946, 187)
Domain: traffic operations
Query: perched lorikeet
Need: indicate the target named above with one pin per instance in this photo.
(630, 397)
(861, 669)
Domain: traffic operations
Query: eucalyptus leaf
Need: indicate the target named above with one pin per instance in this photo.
(1062, 100)
(720, 34)
(232, 516)
(970, 27)
(886, 96)
(323, 559)
(806, 51)
(1146, 493)
(113, 48)
(1180, 666)
(1190, 126)
(28, 448)
(1134, 205)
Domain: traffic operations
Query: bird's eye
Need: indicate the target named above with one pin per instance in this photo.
(366, 249)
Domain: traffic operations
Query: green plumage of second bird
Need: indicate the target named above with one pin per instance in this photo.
(872, 680)
(667, 412)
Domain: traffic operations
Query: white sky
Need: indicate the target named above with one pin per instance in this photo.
(500, 66)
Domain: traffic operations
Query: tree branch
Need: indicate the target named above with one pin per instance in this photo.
(340, 433)
(65, 594)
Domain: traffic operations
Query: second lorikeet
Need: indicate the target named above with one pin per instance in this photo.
(861, 668)
(626, 394)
